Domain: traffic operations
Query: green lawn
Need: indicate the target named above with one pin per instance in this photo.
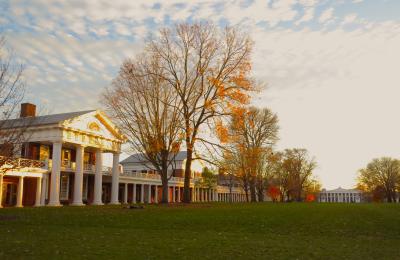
(210, 231)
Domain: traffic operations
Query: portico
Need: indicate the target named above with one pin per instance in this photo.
(70, 149)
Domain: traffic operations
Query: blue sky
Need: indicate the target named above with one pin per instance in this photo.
(331, 67)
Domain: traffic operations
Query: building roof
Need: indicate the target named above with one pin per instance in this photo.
(40, 120)
(140, 158)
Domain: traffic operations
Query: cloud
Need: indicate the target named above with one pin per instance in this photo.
(334, 90)
(326, 15)
(348, 19)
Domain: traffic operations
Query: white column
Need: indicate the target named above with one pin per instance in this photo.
(44, 190)
(142, 193)
(38, 191)
(134, 193)
(55, 175)
(20, 192)
(78, 181)
(149, 194)
(98, 178)
(1, 190)
(126, 193)
(173, 194)
(156, 194)
(115, 179)
(179, 194)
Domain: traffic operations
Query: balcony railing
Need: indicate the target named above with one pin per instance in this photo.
(18, 163)
(152, 176)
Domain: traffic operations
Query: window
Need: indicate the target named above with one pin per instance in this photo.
(64, 187)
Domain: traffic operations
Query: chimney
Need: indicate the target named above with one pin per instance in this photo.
(28, 110)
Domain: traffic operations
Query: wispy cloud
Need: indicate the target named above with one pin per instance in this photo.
(331, 69)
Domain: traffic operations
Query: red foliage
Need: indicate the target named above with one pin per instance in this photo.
(310, 197)
(273, 192)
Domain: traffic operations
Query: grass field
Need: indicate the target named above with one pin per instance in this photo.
(206, 231)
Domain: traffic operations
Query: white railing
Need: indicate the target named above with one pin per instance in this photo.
(18, 163)
(141, 175)
(88, 167)
(152, 176)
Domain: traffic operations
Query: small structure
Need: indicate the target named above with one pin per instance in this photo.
(340, 195)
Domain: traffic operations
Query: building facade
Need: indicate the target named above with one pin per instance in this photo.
(138, 173)
(61, 160)
(61, 163)
(340, 195)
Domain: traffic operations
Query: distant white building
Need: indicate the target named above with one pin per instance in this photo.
(340, 195)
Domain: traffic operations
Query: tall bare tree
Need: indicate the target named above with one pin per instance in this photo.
(209, 70)
(12, 132)
(12, 90)
(148, 113)
(383, 174)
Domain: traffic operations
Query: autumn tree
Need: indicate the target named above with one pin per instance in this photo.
(148, 113)
(249, 138)
(298, 167)
(209, 70)
(273, 192)
(381, 174)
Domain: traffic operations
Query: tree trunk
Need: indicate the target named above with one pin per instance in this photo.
(260, 196)
(188, 165)
(252, 191)
(165, 190)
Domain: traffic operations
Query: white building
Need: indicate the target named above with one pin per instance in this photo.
(340, 195)
(141, 173)
(61, 164)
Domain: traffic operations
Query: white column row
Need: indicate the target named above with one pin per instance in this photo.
(78, 180)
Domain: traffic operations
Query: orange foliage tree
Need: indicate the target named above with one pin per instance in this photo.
(248, 138)
(208, 69)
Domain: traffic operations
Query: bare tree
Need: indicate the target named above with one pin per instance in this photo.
(12, 90)
(209, 70)
(381, 174)
(148, 113)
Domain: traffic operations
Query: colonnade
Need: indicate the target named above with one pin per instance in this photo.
(54, 199)
(231, 197)
(149, 194)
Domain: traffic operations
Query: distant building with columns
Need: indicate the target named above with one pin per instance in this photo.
(61, 164)
(340, 195)
(139, 174)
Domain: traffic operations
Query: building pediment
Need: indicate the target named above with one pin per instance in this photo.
(94, 123)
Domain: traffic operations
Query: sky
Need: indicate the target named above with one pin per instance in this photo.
(331, 68)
